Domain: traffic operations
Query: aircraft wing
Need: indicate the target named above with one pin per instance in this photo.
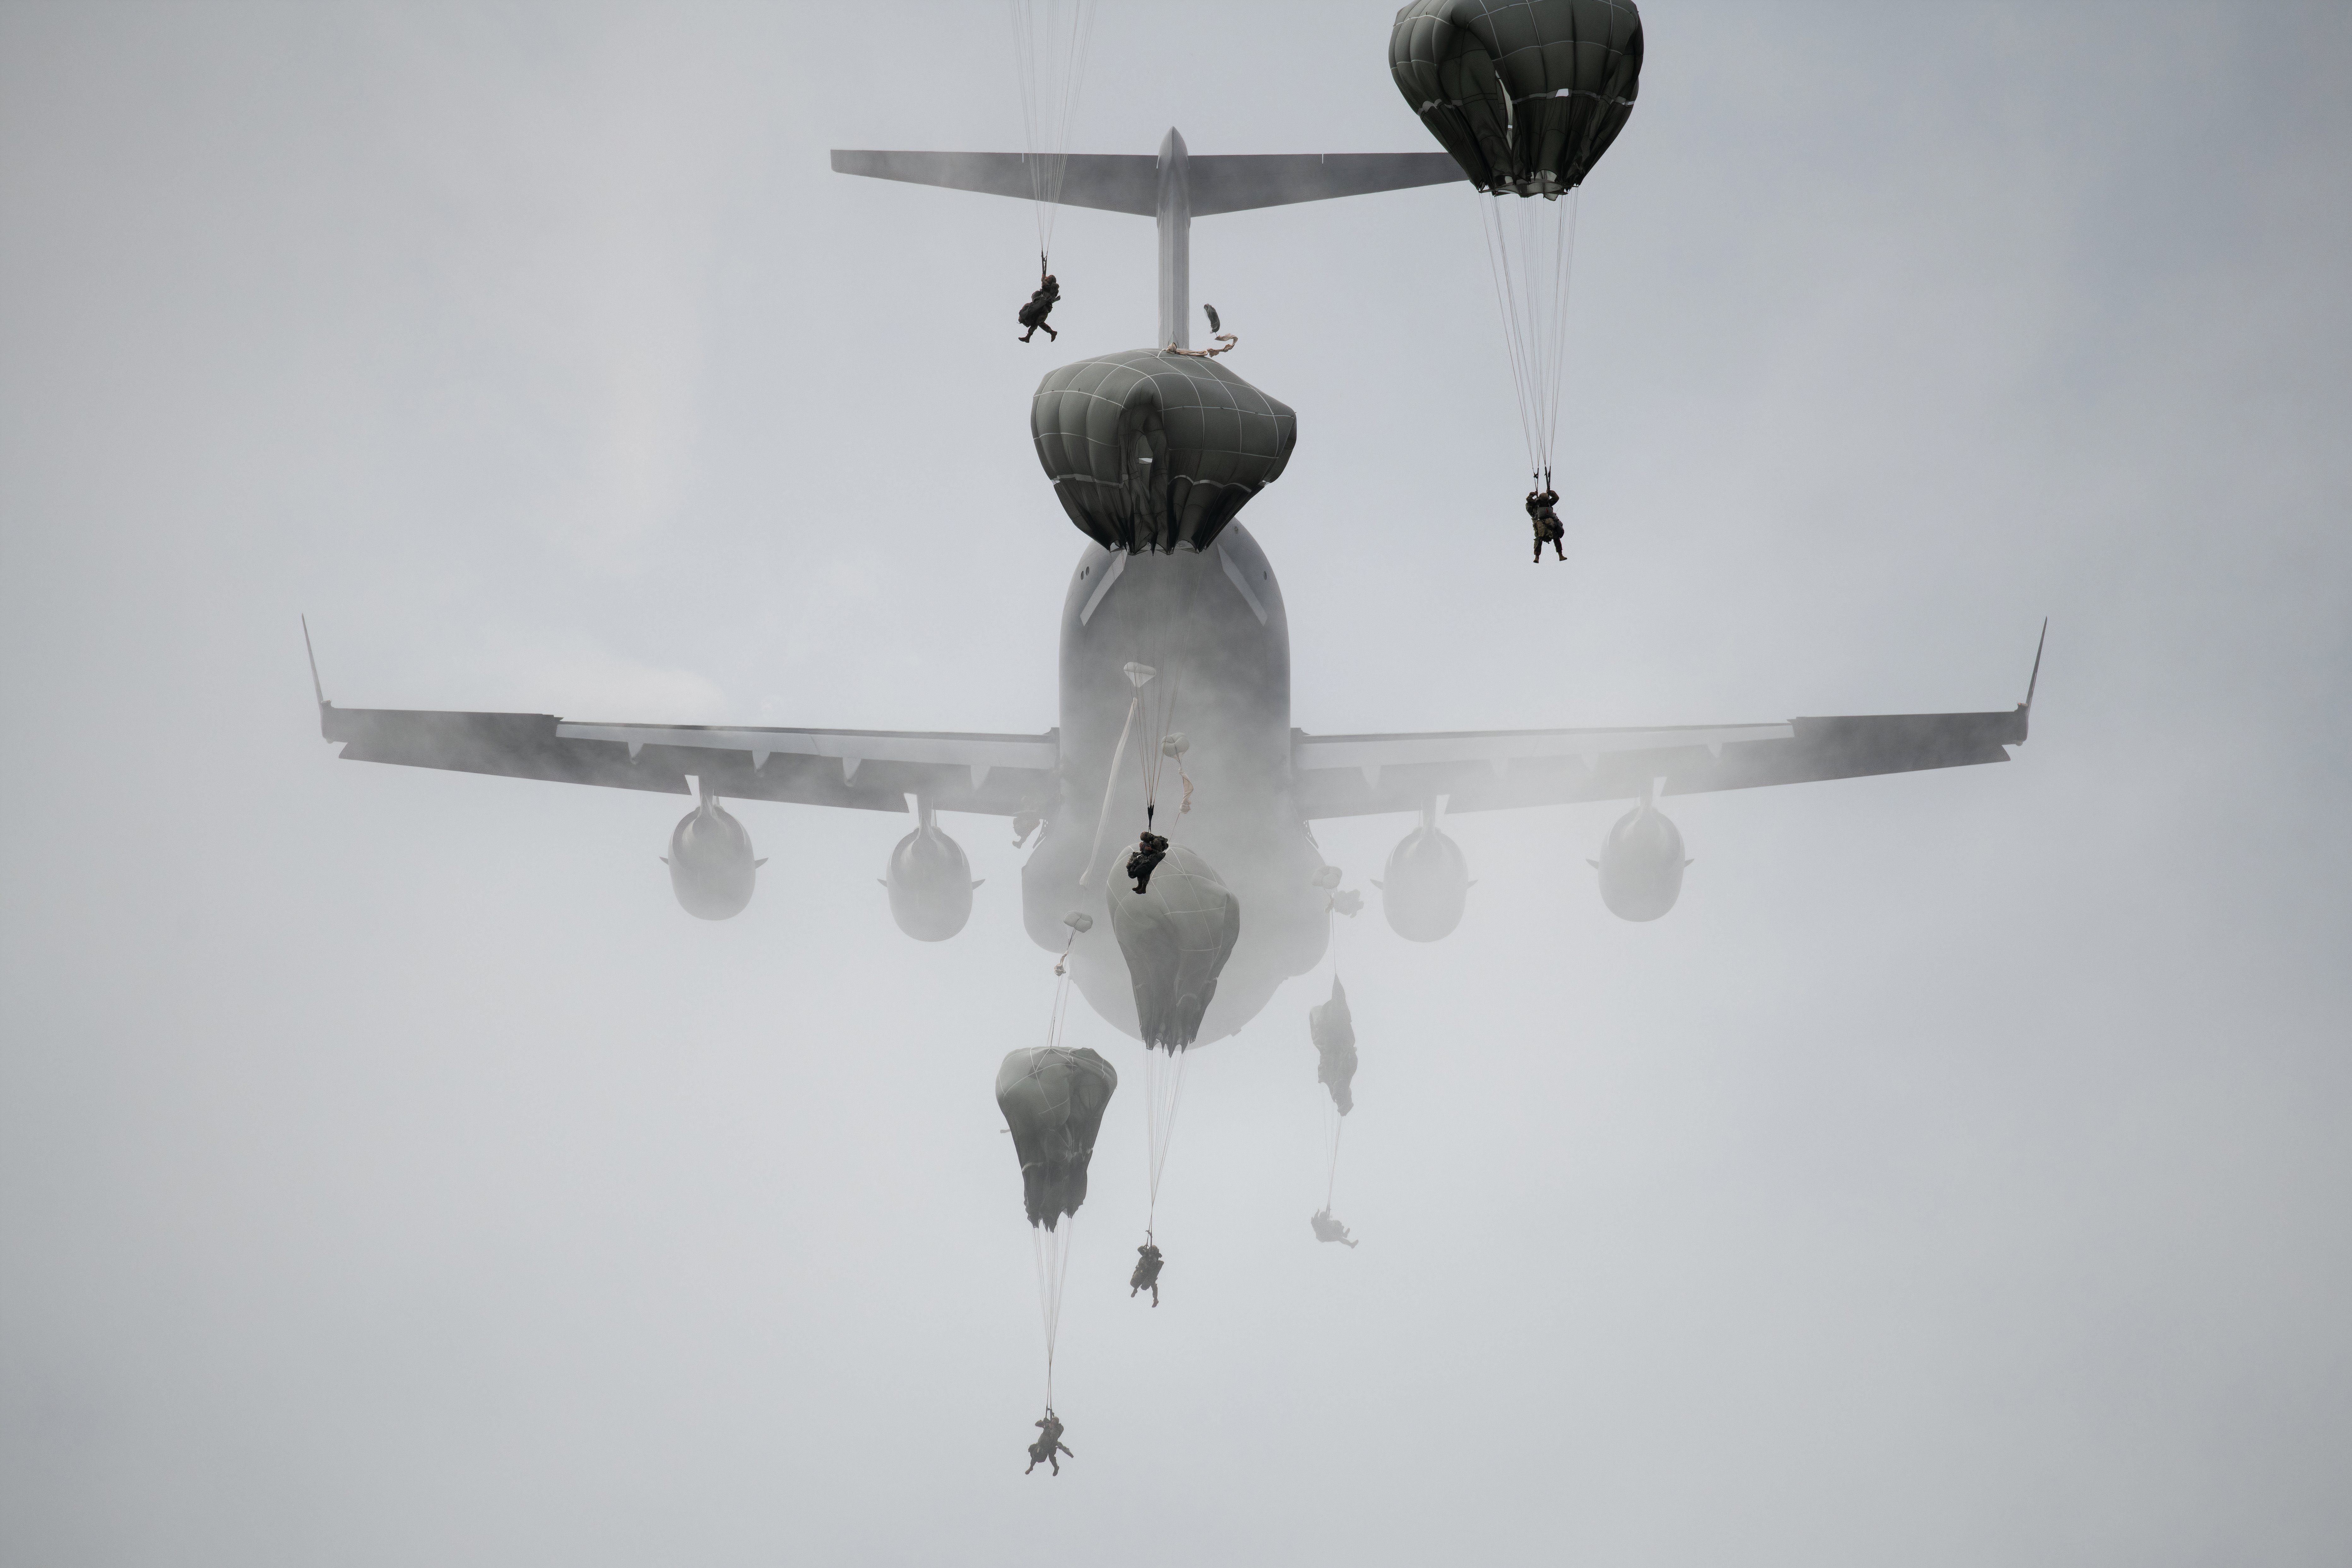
(871, 770)
(1484, 769)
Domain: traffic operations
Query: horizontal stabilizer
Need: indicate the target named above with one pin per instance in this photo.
(1130, 183)
(1241, 181)
(1119, 182)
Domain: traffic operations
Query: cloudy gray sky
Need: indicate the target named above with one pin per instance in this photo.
(391, 1173)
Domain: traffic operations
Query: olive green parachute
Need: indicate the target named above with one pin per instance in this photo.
(1151, 450)
(1176, 937)
(1053, 1098)
(1333, 1028)
(1526, 94)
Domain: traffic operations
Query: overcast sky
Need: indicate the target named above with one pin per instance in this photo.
(391, 1173)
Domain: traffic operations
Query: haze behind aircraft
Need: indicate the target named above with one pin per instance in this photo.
(1208, 622)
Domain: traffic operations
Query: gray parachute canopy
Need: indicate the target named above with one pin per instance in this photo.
(1053, 1099)
(1151, 450)
(1176, 939)
(1526, 94)
(1333, 1029)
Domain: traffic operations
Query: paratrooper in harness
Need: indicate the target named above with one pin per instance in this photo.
(1048, 1446)
(1040, 306)
(1330, 1229)
(1146, 1271)
(1546, 522)
(1150, 850)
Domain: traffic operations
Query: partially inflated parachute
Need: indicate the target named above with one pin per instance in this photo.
(1334, 1031)
(1053, 1098)
(1333, 1028)
(1150, 451)
(1176, 937)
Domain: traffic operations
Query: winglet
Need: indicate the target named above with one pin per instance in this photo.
(307, 649)
(2024, 714)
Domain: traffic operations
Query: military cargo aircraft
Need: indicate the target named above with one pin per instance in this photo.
(1200, 614)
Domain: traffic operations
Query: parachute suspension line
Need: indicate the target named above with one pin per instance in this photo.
(1530, 247)
(1163, 1069)
(1155, 700)
(1146, 755)
(1333, 1123)
(1531, 320)
(1051, 1250)
(1540, 275)
(1082, 27)
(1037, 1243)
(1058, 1018)
(1499, 265)
(1164, 1093)
(1156, 638)
(1159, 723)
(1152, 756)
(1563, 237)
(1331, 1178)
(1050, 40)
(1110, 781)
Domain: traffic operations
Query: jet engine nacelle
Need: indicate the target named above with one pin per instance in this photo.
(930, 883)
(1642, 865)
(710, 866)
(1425, 884)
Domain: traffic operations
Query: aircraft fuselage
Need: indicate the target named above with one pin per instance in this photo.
(1210, 627)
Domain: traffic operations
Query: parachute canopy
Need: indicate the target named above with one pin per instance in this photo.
(1333, 1029)
(1053, 1098)
(1526, 94)
(1151, 450)
(1176, 939)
